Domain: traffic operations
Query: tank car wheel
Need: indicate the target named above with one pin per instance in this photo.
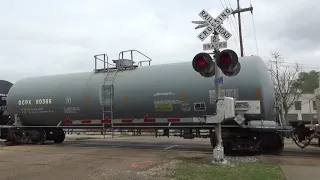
(59, 138)
(12, 139)
(271, 144)
(38, 136)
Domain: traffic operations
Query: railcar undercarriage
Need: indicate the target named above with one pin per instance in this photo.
(17, 136)
(250, 140)
(256, 135)
(265, 140)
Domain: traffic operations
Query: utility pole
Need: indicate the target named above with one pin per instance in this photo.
(238, 11)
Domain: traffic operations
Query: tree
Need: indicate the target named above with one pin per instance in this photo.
(284, 78)
(307, 82)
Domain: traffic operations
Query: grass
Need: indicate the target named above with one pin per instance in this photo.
(199, 169)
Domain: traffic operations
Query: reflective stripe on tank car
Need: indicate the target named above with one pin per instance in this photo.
(145, 120)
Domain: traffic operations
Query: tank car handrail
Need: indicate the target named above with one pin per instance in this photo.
(133, 50)
(140, 62)
(105, 61)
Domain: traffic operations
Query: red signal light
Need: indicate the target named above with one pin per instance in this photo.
(225, 61)
(201, 63)
(228, 62)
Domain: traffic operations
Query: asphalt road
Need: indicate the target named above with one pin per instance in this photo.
(179, 144)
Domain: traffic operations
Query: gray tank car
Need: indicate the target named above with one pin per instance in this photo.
(4, 89)
(43, 102)
(4, 115)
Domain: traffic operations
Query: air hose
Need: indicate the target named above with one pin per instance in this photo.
(296, 140)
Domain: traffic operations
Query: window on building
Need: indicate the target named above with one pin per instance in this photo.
(314, 105)
(297, 105)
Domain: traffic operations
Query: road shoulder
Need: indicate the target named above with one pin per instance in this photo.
(296, 172)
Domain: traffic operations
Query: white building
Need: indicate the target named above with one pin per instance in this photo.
(304, 109)
(317, 98)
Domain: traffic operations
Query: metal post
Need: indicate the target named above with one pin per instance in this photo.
(240, 31)
(95, 64)
(104, 132)
(111, 99)
(104, 63)
(218, 151)
(310, 113)
(238, 11)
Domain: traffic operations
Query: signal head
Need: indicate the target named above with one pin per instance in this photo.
(228, 62)
(203, 64)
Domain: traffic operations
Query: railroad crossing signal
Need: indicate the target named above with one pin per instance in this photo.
(227, 60)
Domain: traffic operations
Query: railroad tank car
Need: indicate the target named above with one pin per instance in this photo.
(4, 89)
(43, 101)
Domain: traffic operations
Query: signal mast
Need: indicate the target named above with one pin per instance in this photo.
(226, 61)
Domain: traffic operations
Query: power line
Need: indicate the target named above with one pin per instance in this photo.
(299, 64)
(254, 30)
(233, 20)
(239, 11)
(303, 66)
(231, 27)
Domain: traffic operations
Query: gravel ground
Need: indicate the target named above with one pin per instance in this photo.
(245, 159)
(69, 161)
(113, 159)
(52, 162)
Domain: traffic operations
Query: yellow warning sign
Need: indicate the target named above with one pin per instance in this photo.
(127, 100)
(184, 98)
(163, 107)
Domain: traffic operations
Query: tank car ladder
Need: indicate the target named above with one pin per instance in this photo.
(108, 95)
(107, 89)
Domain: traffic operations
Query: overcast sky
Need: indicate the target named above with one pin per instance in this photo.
(39, 37)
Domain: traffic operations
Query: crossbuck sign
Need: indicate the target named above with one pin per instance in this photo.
(213, 25)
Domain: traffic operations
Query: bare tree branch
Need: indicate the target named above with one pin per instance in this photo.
(283, 77)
